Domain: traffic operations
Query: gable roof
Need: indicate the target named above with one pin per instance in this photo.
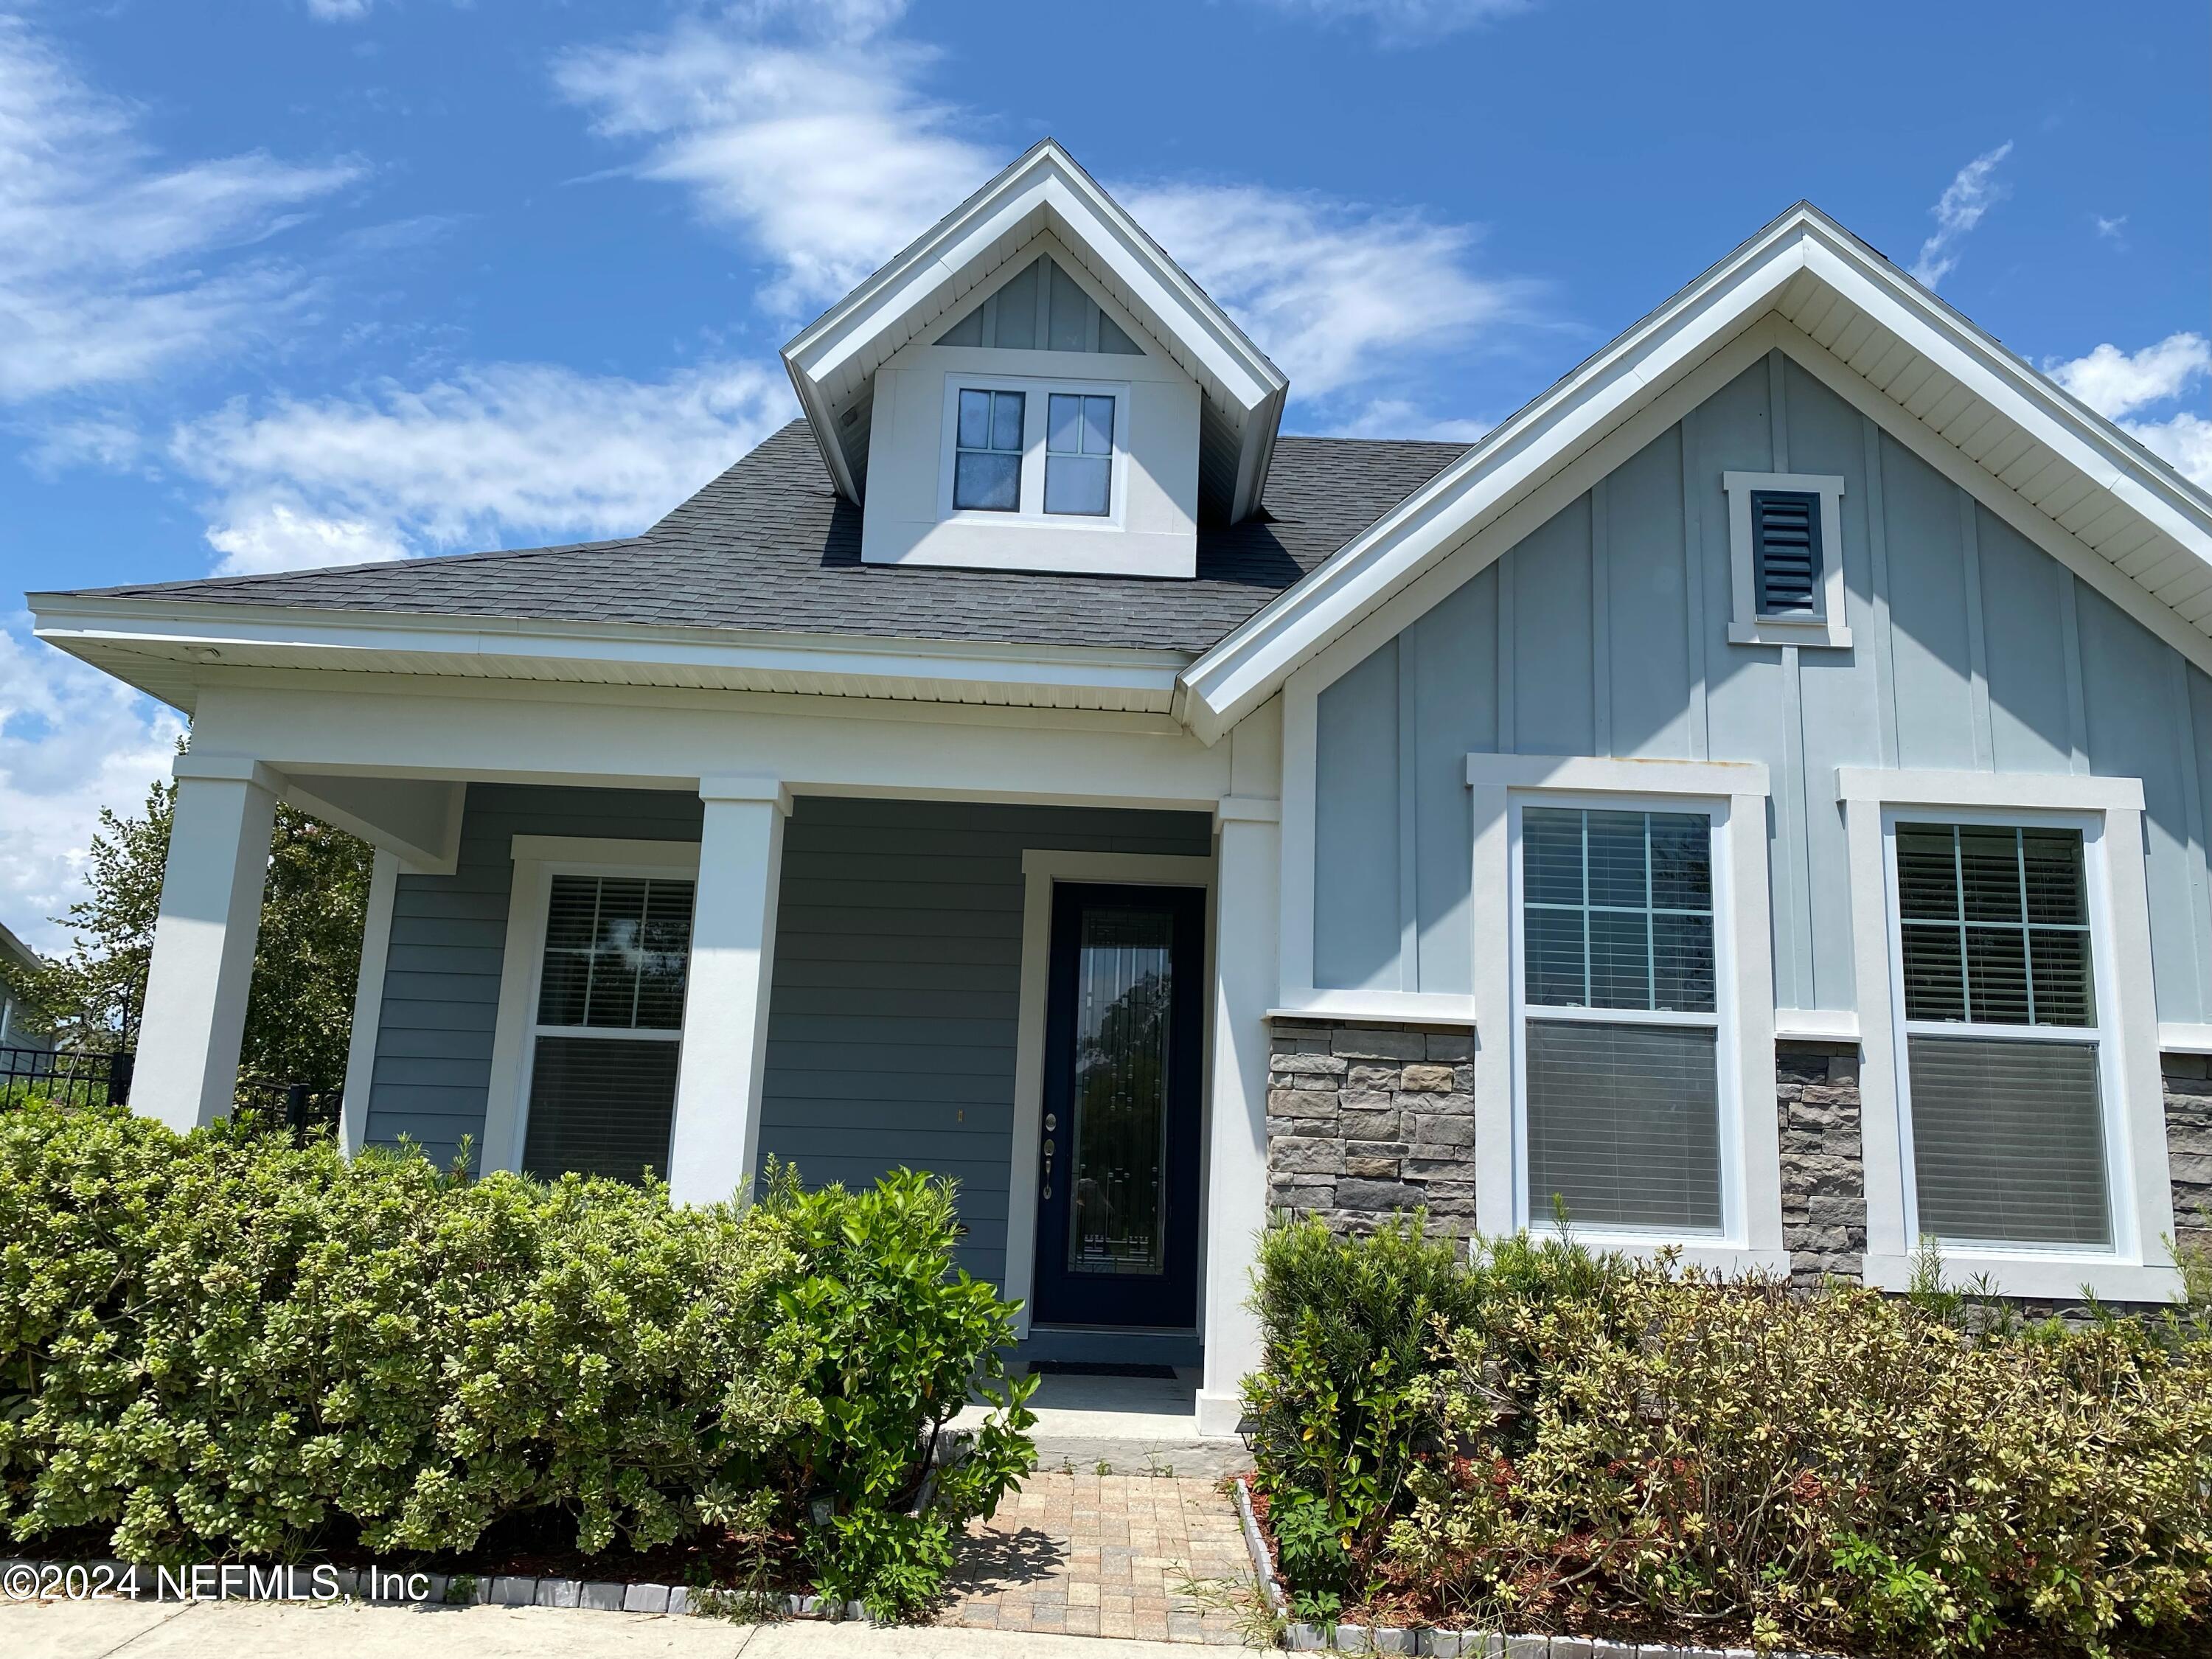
(833, 360)
(2071, 481)
(766, 550)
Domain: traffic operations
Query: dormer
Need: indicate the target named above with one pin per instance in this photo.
(1034, 384)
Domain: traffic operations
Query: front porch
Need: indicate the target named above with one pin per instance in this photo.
(839, 982)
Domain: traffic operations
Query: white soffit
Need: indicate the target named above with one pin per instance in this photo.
(833, 362)
(2088, 481)
(170, 655)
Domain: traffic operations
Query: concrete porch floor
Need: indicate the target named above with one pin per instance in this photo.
(1134, 1424)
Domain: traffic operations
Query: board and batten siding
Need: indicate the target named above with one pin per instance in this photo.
(1605, 632)
(892, 1013)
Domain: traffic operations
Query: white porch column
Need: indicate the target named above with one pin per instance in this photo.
(714, 1146)
(203, 935)
(1246, 977)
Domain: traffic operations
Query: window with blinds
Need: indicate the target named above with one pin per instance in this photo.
(2002, 1043)
(1620, 1061)
(609, 1026)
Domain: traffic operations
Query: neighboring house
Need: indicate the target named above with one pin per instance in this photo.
(1758, 794)
(16, 1031)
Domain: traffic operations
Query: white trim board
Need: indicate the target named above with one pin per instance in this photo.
(1042, 868)
(368, 1001)
(1736, 794)
(537, 858)
(1802, 250)
(2110, 811)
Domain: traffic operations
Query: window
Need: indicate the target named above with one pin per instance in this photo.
(1079, 453)
(1035, 451)
(987, 467)
(607, 1026)
(1785, 546)
(2001, 1038)
(1621, 1024)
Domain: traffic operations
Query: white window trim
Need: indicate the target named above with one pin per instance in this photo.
(2109, 811)
(1747, 626)
(538, 860)
(1734, 795)
(1042, 868)
(1035, 406)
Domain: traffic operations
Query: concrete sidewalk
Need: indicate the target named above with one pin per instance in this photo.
(352, 1630)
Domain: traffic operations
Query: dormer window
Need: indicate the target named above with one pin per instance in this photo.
(1079, 453)
(987, 463)
(1034, 451)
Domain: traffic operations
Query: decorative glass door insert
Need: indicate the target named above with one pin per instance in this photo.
(1118, 1142)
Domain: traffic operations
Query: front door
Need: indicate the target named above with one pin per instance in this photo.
(1117, 1186)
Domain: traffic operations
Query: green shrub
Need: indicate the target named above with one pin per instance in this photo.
(216, 1345)
(1339, 1408)
(1838, 1467)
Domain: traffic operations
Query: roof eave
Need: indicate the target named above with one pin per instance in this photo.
(1250, 662)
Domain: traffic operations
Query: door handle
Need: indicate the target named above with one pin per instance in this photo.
(1048, 1165)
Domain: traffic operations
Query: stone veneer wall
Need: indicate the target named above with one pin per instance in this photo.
(1364, 1120)
(2189, 1145)
(1823, 1222)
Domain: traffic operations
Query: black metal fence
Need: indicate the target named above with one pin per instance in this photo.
(75, 1079)
(292, 1107)
(87, 1080)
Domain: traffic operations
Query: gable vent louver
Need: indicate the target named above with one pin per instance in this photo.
(1785, 539)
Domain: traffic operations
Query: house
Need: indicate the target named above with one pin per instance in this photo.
(17, 1029)
(1757, 795)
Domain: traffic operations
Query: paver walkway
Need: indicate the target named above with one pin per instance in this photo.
(1102, 1555)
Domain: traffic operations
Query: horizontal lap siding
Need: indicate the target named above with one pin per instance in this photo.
(892, 1022)
(448, 933)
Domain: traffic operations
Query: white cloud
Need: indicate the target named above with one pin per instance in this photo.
(1400, 417)
(1972, 192)
(71, 741)
(1338, 294)
(819, 151)
(1398, 22)
(488, 455)
(2182, 440)
(277, 537)
(2116, 383)
(110, 267)
(829, 159)
(339, 11)
(2109, 229)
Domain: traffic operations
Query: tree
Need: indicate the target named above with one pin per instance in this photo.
(299, 1012)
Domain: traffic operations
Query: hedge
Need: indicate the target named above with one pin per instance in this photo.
(214, 1346)
(1580, 1442)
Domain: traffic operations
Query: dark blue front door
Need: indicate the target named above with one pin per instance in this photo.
(1117, 1189)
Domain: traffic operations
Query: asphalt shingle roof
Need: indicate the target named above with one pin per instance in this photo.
(770, 546)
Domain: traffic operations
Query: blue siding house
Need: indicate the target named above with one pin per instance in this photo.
(1754, 799)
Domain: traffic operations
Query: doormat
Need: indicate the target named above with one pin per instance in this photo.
(1085, 1368)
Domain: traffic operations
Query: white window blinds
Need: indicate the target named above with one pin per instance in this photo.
(1620, 1058)
(609, 1026)
(2001, 1037)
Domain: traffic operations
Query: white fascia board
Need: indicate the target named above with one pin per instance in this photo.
(198, 633)
(1250, 664)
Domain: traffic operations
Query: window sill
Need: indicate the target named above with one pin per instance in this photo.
(1712, 1255)
(1770, 630)
(2044, 1276)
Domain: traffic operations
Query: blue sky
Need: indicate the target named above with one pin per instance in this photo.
(288, 282)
